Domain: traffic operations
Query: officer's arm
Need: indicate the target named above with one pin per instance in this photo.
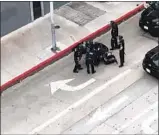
(119, 42)
(80, 57)
(121, 47)
(123, 42)
(117, 28)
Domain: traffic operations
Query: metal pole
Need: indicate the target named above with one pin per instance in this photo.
(42, 8)
(31, 10)
(52, 26)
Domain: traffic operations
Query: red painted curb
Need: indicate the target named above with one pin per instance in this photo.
(65, 51)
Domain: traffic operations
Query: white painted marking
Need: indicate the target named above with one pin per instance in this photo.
(84, 99)
(136, 117)
(137, 61)
(103, 114)
(73, 38)
(63, 86)
(146, 124)
(58, 84)
(114, 3)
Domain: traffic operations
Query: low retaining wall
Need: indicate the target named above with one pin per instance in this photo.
(68, 50)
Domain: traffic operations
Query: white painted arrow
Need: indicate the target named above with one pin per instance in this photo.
(63, 86)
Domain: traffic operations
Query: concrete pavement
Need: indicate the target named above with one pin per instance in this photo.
(30, 45)
(121, 110)
(34, 109)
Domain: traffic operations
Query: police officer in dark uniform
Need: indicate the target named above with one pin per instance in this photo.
(88, 45)
(97, 53)
(90, 61)
(121, 51)
(114, 34)
(115, 28)
(114, 43)
(77, 58)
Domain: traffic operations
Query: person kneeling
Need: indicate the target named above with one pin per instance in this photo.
(109, 58)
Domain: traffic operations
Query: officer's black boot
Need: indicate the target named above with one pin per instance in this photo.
(79, 67)
(75, 69)
(88, 68)
(116, 61)
(121, 62)
(93, 72)
(121, 65)
(92, 67)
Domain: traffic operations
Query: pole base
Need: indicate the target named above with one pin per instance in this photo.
(55, 49)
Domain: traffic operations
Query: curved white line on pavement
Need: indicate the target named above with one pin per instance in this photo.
(65, 87)
(79, 87)
(84, 99)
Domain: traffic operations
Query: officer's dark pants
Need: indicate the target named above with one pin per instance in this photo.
(88, 64)
(121, 55)
(114, 43)
(97, 59)
(77, 66)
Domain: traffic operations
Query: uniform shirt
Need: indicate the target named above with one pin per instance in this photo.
(77, 55)
(90, 55)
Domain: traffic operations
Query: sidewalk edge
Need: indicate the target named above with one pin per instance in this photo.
(64, 52)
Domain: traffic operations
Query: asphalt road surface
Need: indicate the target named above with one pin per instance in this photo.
(117, 100)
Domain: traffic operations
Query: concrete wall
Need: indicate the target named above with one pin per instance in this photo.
(14, 15)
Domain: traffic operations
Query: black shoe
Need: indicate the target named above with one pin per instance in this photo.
(96, 64)
(111, 49)
(121, 66)
(75, 71)
(116, 61)
(80, 68)
(93, 72)
(88, 72)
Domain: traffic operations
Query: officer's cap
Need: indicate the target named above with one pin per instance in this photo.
(112, 22)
